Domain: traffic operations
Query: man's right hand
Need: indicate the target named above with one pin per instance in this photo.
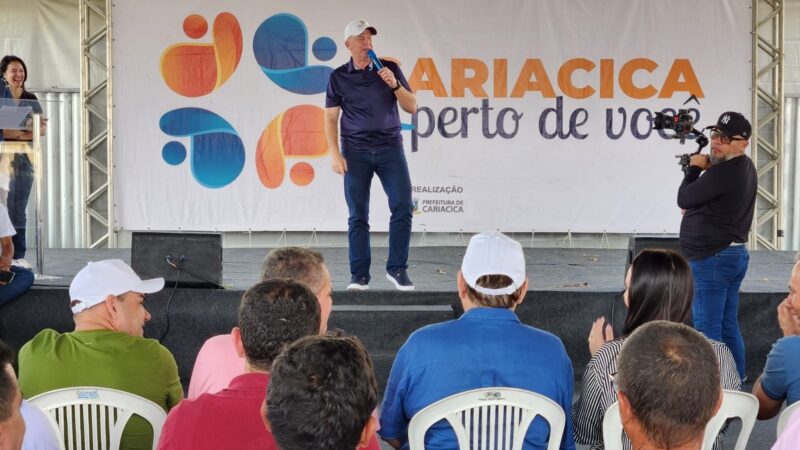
(701, 161)
(338, 162)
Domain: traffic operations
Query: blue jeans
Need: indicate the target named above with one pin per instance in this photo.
(19, 191)
(715, 308)
(23, 280)
(391, 167)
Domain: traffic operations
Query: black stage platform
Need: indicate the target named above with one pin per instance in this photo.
(569, 288)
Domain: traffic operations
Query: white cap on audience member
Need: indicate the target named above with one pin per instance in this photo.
(357, 27)
(100, 279)
(493, 253)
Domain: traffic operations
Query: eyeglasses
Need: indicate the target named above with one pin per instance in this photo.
(725, 139)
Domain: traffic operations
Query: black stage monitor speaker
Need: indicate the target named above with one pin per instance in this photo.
(190, 259)
(640, 242)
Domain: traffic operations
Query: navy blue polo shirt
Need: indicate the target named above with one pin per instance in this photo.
(370, 119)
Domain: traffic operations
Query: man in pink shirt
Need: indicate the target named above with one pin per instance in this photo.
(217, 362)
(272, 314)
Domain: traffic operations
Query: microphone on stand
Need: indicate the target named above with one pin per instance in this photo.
(375, 61)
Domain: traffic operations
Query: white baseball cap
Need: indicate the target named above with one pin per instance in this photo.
(493, 253)
(357, 27)
(100, 279)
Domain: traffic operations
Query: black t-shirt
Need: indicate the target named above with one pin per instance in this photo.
(719, 206)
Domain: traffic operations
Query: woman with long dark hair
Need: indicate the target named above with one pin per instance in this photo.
(658, 286)
(15, 73)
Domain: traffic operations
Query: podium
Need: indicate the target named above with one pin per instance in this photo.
(24, 116)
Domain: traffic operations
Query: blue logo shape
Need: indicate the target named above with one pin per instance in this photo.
(280, 46)
(174, 153)
(216, 151)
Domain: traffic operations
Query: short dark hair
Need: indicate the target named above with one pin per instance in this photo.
(494, 301)
(7, 60)
(297, 263)
(670, 375)
(8, 386)
(321, 393)
(275, 313)
(661, 289)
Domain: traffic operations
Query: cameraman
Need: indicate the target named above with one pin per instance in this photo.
(718, 211)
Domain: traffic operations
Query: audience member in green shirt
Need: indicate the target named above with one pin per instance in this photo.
(107, 348)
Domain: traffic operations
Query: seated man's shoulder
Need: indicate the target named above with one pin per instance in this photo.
(51, 341)
(789, 343)
(47, 339)
(435, 329)
(455, 331)
(218, 343)
(539, 337)
(46, 335)
(786, 349)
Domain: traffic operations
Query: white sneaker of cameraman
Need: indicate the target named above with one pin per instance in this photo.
(21, 263)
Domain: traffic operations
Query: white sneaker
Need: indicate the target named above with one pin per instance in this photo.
(21, 263)
(358, 283)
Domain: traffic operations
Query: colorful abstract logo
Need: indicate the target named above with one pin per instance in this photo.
(216, 151)
(280, 46)
(196, 69)
(298, 132)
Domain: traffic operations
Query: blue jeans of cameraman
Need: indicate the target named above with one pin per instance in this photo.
(19, 191)
(715, 309)
(392, 169)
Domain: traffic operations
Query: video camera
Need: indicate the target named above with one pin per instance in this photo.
(683, 124)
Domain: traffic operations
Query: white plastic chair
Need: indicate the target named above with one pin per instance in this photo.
(94, 417)
(783, 419)
(734, 404)
(496, 418)
(612, 428)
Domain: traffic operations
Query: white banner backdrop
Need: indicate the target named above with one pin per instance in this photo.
(533, 116)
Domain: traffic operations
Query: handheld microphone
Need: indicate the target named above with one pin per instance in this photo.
(375, 61)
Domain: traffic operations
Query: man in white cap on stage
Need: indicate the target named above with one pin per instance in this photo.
(366, 92)
(107, 348)
(487, 346)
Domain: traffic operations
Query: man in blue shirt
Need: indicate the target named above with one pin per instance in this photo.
(781, 378)
(367, 96)
(487, 347)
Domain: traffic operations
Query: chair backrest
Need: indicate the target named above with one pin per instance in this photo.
(612, 428)
(783, 419)
(496, 418)
(734, 404)
(94, 417)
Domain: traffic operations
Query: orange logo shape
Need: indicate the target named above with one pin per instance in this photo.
(298, 132)
(193, 70)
